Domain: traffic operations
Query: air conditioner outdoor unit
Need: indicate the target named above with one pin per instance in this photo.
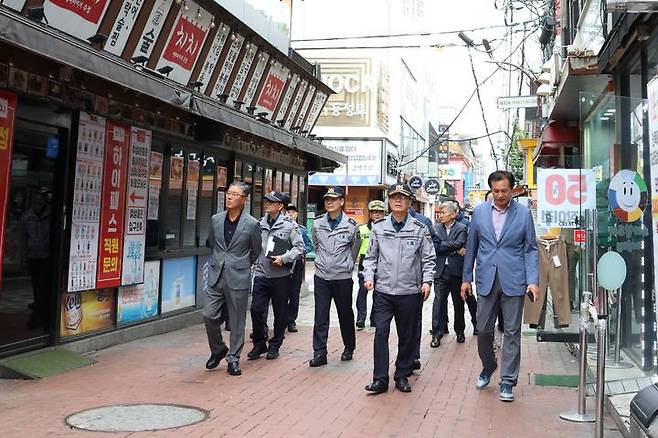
(632, 5)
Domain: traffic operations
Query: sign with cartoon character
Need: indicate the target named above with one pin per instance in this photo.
(628, 195)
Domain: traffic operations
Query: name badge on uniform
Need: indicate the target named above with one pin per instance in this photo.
(344, 237)
(411, 242)
(280, 235)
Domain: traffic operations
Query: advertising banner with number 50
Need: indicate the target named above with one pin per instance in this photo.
(563, 195)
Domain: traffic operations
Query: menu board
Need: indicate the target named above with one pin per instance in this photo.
(155, 184)
(213, 56)
(123, 26)
(242, 73)
(110, 249)
(134, 242)
(255, 79)
(153, 27)
(295, 104)
(237, 41)
(85, 214)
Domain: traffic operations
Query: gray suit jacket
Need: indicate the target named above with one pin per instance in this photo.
(448, 248)
(233, 261)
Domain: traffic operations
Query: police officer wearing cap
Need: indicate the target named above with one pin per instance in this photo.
(272, 275)
(400, 266)
(337, 242)
(376, 211)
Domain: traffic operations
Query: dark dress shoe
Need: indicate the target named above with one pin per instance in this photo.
(360, 324)
(234, 369)
(461, 338)
(402, 384)
(317, 361)
(257, 351)
(416, 365)
(272, 354)
(347, 355)
(377, 387)
(436, 341)
(292, 327)
(476, 332)
(215, 359)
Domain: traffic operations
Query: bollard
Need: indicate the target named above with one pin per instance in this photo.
(581, 416)
(601, 332)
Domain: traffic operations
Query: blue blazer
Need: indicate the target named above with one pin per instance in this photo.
(514, 256)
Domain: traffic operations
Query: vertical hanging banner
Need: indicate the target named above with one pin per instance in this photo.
(185, 42)
(652, 93)
(287, 98)
(134, 242)
(255, 80)
(153, 27)
(305, 106)
(80, 18)
(117, 137)
(123, 26)
(242, 73)
(314, 112)
(237, 41)
(301, 92)
(7, 114)
(85, 215)
(213, 56)
(272, 89)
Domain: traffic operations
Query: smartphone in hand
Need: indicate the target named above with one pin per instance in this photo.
(531, 296)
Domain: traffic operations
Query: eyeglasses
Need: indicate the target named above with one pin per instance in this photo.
(233, 195)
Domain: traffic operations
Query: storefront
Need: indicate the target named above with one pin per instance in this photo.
(113, 169)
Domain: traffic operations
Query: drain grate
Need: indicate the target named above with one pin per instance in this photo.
(136, 418)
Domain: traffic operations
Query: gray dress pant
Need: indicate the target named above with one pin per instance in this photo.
(487, 311)
(236, 301)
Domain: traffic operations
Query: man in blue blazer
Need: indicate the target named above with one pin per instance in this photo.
(502, 245)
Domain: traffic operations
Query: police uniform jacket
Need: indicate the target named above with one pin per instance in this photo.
(335, 250)
(284, 228)
(400, 262)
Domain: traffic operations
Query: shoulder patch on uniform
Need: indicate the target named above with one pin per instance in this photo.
(419, 223)
(351, 221)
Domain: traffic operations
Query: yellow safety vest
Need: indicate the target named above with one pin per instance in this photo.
(364, 232)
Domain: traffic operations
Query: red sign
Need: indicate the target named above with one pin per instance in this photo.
(271, 93)
(90, 10)
(7, 112)
(185, 45)
(579, 236)
(117, 138)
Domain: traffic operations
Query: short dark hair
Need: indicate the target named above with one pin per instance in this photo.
(500, 175)
(246, 189)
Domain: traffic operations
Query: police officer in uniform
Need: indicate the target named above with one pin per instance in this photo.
(272, 275)
(337, 242)
(400, 262)
(376, 211)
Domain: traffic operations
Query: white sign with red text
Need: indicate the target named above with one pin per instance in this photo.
(563, 195)
(272, 89)
(80, 18)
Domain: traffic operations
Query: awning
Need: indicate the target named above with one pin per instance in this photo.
(558, 133)
(48, 42)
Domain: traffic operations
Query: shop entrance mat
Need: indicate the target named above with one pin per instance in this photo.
(566, 380)
(43, 363)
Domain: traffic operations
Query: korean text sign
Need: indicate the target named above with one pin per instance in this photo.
(110, 247)
(563, 195)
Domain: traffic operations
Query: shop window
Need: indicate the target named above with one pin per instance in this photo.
(208, 170)
(155, 192)
(191, 198)
(257, 191)
(174, 199)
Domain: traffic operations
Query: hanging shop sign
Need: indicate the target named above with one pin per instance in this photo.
(237, 41)
(451, 172)
(297, 101)
(185, 42)
(242, 73)
(261, 64)
(153, 27)
(314, 112)
(7, 115)
(140, 301)
(134, 242)
(110, 248)
(80, 18)
(287, 97)
(627, 195)
(155, 184)
(272, 89)
(305, 106)
(364, 159)
(415, 182)
(443, 154)
(85, 214)
(562, 196)
(213, 55)
(123, 26)
(86, 311)
(432, 186)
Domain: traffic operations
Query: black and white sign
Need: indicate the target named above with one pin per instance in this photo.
(123, 26)
(432, 186)
(213, 55)
(243, 72)
(415, 182)
(255, 79)
(314, 112)
(237, 41)
(295, 104)
(153, 27)
(305, 105)
(287, 98)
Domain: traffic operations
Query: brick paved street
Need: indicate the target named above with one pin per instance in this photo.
(287, 398)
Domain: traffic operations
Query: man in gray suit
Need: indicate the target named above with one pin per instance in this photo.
(502, 241)
(235, 240)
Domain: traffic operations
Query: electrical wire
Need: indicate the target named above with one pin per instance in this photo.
(484, 116)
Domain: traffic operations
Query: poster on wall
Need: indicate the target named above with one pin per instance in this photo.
(652, 89)
(176, 166)
(155, 184)
(7, 115)
(185, 42)
(85, 213)
(123, 26)
(237, 41)
(562, 196)
(242, 73)
(272, 89)
(86, 311)
(134, 242)
(249, 95)
(153, 27)
(192, 189)
(80, 18)
(140, 301)
(178, 283)
(110, 248)
(213, 55)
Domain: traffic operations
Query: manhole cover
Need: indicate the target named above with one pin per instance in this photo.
(136, 418)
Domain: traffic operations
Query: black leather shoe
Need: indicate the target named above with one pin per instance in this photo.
(416, 365)
(215, 359)
(436, 341)
(461, 338)
(476, 332)
(377, 387)
(272, 354)
(360, 324)
(317, 361)
(347, 355)
(256, 352)
(234, 369)
(402, 384)
(292, 327)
